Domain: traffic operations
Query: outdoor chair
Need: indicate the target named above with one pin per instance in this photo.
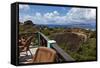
(43, 55)
(24, 47)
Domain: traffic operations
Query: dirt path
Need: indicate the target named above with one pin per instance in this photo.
(81, 34)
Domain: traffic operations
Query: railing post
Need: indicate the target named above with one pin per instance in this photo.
(49, 42)
(38, 38)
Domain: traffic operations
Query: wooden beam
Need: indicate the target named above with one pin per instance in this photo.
(61, 52)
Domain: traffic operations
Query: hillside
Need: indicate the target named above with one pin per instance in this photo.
(27, 26)
(79, 43)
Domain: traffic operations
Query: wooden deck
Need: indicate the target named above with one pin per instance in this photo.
(62, 56)
(23, 57)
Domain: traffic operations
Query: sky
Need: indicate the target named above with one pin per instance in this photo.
(56, 15)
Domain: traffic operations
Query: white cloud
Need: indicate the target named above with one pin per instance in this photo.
(54, 18)
(25, 17)
(91, 14)
(51, 15)
(55, 13)
(39, 19)
(81, 14)
(75, 15)
(24, 7)
(38, 14)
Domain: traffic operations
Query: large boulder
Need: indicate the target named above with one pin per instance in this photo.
(29, 22)
(70, 40)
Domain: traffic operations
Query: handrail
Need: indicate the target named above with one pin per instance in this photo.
(46, 38)
(42, 39)
(61, 53)
(27, 33)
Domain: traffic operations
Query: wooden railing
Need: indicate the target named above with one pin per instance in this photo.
(42, 39)
(62, 56)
